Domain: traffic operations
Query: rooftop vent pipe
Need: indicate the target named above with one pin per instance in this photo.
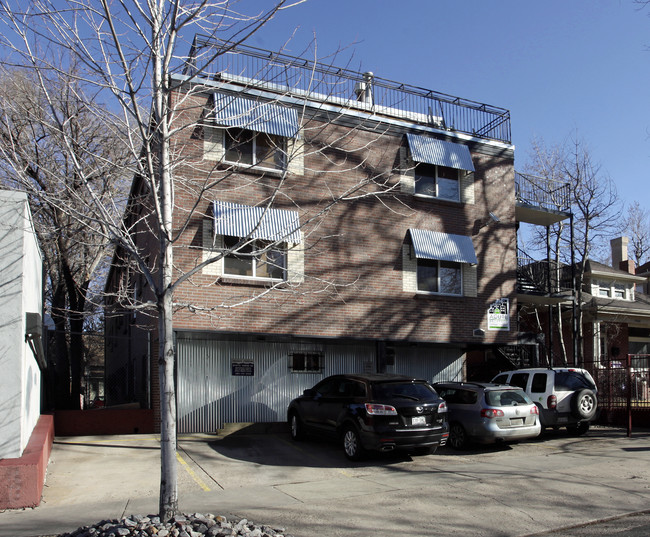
(363, 90)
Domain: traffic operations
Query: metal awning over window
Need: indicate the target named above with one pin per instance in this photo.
(440, 152)
(256, 222)
(258, 116)
(442, 246)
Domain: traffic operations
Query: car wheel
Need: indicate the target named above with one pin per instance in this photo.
(579, 429)
(297, 429)
(352, 444)
(457, 436)
(583, 404)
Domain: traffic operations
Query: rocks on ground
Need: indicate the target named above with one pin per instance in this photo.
(195, 525)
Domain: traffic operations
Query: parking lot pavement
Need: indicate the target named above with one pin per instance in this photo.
(311, 489)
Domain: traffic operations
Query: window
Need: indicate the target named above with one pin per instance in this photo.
(443, 277)
(306, 362)
(437, 182)
(258, 259)
(618, 290)
(539, 383)
(519, 379)
(255, 148)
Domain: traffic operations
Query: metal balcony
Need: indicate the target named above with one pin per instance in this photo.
(541, 201)
(542, 281)
(314, 81)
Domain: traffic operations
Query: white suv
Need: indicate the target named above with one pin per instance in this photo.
(566, 397)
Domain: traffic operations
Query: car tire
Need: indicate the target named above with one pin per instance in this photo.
(457, 436)
(583, 405)
(296, 427)
(578, 429)
(352, 444)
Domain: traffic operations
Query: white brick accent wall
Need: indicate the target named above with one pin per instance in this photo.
(211, 244)
(409, 271)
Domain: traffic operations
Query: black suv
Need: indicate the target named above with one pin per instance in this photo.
(372, 412)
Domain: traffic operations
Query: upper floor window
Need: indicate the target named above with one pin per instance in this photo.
(613, 289)
(437, 181)
(257, 259)
(247, 147)
(444, 277)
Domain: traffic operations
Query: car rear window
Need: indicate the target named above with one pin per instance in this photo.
(571, 380)
(507, 398)
(415, 391)
(459, 397)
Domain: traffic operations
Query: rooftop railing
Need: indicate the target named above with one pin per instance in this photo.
(220, 60)
(543, 192)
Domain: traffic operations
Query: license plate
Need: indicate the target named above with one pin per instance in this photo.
(419, 420)
(517, 421)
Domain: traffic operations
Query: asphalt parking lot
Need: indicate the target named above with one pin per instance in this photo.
(554, 484)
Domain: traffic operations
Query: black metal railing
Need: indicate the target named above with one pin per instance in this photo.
(541, 277)
(278, 72)
(543, 192)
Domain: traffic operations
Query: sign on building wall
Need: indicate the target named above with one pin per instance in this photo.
(499, 314)
(243, 368)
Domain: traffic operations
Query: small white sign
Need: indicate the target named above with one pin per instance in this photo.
(499, 315)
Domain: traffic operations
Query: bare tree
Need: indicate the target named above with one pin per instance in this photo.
(595, 207)
(135, 56)
(637, 226)
(36, 135)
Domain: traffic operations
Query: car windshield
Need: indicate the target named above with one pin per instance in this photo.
(414, 391)
(507, 398)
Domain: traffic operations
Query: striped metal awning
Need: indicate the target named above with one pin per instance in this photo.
(440, 152)
(442, 246)
(255, 222)
(257, 116)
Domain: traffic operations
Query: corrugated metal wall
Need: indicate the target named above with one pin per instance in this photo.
(434, 364)
(209, 395)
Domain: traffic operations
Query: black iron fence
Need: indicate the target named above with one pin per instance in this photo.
(623, 389)
(542, 192)
(280, 73)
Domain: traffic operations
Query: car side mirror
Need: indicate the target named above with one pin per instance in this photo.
(309, 392)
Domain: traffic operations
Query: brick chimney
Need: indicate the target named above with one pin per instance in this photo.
(620, 259)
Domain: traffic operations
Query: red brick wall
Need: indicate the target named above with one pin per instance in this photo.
(353, 281)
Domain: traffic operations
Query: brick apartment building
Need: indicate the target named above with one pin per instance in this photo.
(354, 224)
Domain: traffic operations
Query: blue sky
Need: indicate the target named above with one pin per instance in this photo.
(559, 66)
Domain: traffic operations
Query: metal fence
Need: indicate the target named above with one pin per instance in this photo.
(219, 60)
(623, 389)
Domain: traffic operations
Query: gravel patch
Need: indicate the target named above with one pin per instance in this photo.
(195, 525)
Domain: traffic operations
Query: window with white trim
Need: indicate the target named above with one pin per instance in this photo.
(257, 259)
(614, 289)
(439, 277)
(252, 148)
(437, 182)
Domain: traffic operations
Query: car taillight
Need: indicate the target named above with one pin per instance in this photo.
(491, 413)
(551, 401)
(375, 409)
(534, 410)
(442, 408)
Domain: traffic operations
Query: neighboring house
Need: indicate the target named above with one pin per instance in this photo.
(414, 281)
(615, 311)
(21, 352)
(25, 436)
(616, 307)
